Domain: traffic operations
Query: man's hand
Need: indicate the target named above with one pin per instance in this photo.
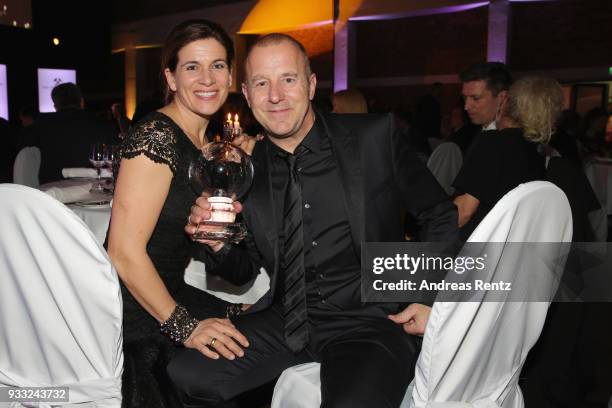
(414, 318)
(201, 211)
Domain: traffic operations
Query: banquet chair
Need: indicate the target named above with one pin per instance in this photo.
(60, 302)
(26, 167)
(473, 352)
(444, 163)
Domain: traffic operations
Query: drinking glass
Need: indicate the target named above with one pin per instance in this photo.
(97, 160)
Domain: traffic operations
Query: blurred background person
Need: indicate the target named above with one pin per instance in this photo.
(65, 137)
(500, 160)
(566, 138)
(146, 106)
(27, 115)
(593, 134)
(484, 89)
(8, 134)
(349, 101)
(121, 120)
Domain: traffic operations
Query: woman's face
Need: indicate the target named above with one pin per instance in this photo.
(202, 77)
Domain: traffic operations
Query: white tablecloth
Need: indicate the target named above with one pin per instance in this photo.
(95, 216)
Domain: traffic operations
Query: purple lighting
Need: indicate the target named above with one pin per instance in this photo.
(3, 93)
(499, 21)
(421, 12)
(341, 62)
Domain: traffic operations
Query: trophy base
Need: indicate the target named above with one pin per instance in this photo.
(231, 232)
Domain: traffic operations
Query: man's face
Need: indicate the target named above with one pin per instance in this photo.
(279, 90)
(480, 104)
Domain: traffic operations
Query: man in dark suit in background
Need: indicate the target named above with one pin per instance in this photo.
(324, 184)
(7, 151)
(65, 136)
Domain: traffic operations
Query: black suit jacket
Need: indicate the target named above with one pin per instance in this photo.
(382, 179)
(65, 140)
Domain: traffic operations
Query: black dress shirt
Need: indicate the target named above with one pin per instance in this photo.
(331, 264)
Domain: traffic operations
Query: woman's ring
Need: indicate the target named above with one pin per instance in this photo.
(212, 342)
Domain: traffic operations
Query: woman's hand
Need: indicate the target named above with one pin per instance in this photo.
(214, 337)
(246, 142)
(202, 211)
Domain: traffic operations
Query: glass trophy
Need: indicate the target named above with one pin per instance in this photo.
(225, 173)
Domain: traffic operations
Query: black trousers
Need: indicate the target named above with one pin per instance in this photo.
(365, 362)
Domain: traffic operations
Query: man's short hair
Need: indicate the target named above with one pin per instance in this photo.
(66, 95)
(495, 74)
(278, 38)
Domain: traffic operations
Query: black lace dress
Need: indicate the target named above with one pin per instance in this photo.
(146, 351)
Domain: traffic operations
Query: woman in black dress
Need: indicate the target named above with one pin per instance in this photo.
(146, 241)
(500, 160)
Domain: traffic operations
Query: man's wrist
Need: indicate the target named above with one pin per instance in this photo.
(222, 251)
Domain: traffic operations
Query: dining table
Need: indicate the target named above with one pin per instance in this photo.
(94, 208)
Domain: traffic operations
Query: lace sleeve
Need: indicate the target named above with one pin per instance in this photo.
(156, 140)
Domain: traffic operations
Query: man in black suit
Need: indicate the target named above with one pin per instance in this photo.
(352, 181)
(65, 136)
(7, 152)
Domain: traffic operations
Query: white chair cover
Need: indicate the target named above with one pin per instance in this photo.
(26, 167)
(60, 302)
(445, 162)
(472, 353)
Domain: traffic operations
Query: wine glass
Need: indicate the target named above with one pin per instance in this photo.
(109, 155)
(97, 160)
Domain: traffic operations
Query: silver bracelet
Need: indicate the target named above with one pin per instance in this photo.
(179, 326)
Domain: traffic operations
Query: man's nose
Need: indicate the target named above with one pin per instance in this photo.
(276, 93)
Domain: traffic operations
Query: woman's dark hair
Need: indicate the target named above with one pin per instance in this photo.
(186, 33)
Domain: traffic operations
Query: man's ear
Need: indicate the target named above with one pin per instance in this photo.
(170, 79)
(245, 92)
(312, 86)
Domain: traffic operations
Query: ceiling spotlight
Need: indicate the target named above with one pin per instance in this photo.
(56, 41)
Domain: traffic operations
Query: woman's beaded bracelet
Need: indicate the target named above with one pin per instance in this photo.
(179, 326)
